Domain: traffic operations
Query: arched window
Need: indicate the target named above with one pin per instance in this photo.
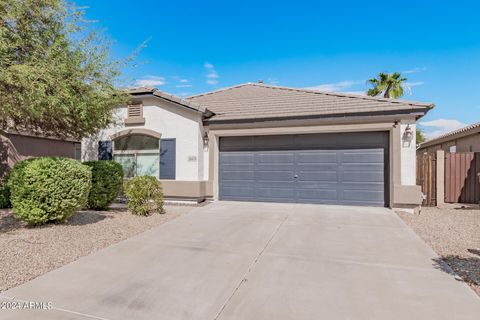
(136, 142)
(139, 154)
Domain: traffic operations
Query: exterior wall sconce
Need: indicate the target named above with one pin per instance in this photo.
(205, 139)
(408, 134)
(407, 137)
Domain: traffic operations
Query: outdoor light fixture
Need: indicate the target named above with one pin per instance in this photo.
(408, 134)
(205, 138)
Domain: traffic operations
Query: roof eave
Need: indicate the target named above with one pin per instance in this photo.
(417, 114)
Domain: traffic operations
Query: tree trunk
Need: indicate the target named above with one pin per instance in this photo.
(387, 92)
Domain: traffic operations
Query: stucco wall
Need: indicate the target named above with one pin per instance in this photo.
(35, 146)
(16, 147)
(171, 121)
(408, 154)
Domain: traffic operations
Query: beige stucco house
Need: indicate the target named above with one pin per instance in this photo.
(257, 142)
(466, 139)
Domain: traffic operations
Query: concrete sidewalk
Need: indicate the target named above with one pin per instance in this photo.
(232, 260)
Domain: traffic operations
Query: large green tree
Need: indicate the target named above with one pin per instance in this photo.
(56, 77)
(388, 85)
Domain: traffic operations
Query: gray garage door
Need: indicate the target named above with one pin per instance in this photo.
(313, 168)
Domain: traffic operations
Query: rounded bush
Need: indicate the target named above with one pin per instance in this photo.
(107, 181)
(48, 189)
(144, 195)
(5, 192)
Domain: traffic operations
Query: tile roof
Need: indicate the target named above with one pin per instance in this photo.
(452, 134)
(252, 101)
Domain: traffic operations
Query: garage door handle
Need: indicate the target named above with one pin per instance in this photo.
(295, 176)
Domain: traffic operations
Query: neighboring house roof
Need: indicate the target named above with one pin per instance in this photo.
(166, 96)
(452, 135)
(253, 102)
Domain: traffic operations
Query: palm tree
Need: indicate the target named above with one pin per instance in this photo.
(388, 85)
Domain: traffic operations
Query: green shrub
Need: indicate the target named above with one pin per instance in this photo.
(5, 192)
(144, 195)
(48, 189)
(107, 181)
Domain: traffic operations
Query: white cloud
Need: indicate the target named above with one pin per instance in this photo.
(335, 87)
(212, 75)
(183, 80)
(410, 85)
(273, 81)
(440, 126)
(415, 70)
(183, 85)
(212, 81)
(150, 81)
(414, 84)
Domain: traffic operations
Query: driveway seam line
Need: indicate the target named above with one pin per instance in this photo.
(244, 277)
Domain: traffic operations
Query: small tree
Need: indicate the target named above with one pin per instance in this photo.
(388, 85)
(56, 77)
(420, 136)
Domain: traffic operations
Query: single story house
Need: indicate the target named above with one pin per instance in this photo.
(258, 142)
(16, 146)
(466, 139)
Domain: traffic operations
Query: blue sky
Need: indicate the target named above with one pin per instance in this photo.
(198, 46)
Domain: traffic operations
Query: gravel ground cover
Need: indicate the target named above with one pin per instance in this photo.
(28, 252)
(454, 234)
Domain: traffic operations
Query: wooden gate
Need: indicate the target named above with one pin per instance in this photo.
(426, 177)
(461, 177)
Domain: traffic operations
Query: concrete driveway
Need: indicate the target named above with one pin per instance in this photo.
(232, 260)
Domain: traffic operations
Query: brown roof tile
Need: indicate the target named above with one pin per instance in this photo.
(252, 101)
(467, 130)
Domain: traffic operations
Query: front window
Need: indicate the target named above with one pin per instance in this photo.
(136, 142)
(138, 154)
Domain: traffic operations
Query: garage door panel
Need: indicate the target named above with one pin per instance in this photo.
(321, 176)
(277, 193)
(363, 156)
(274, 175)
(246, 192)
(317, 185)
(238, 167)
(238, 175)
(274, 167)
(364, 167)
(272, 158)
(328, 167)
(363, 195)
(359, 176)
(236, 158)
(365, 186)
(317, 157)
(317, 194)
